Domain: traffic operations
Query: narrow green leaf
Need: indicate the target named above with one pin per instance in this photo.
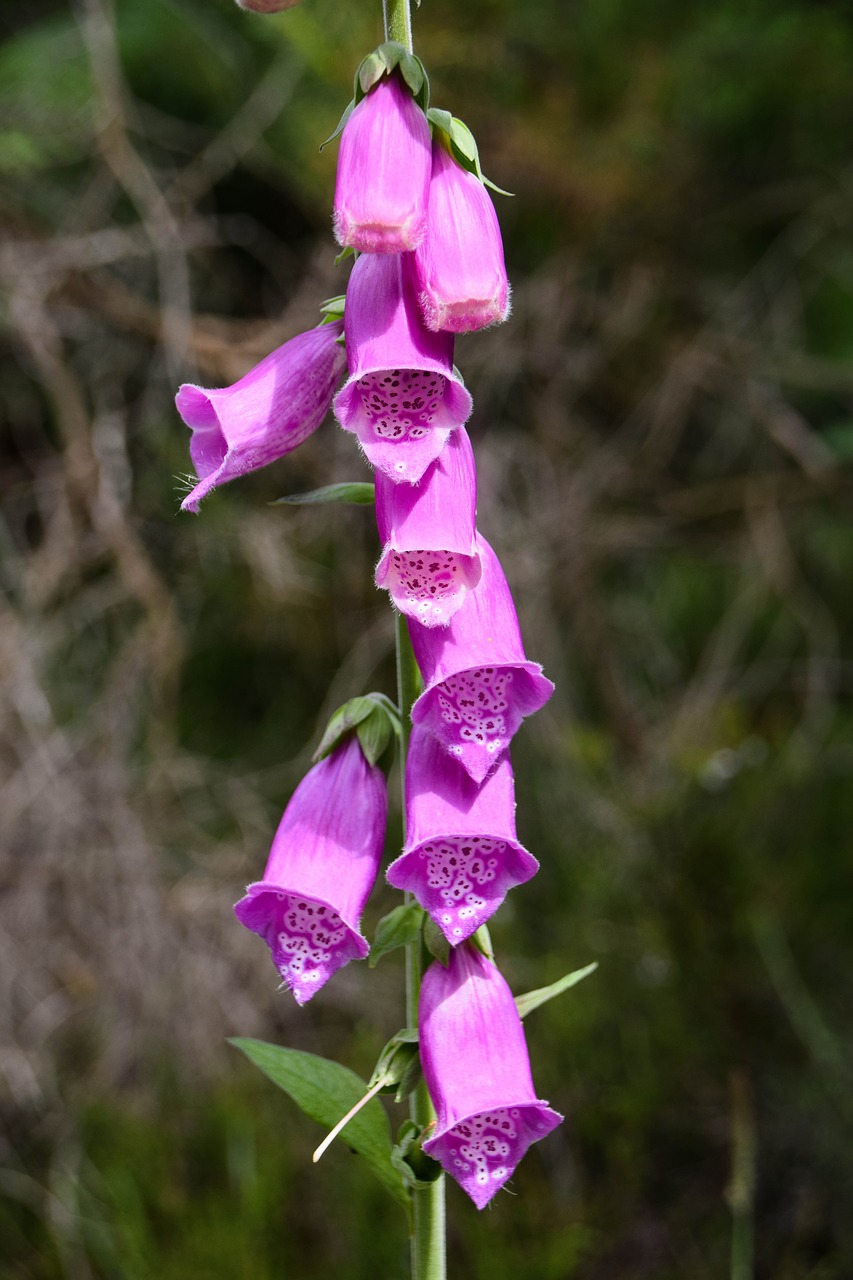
(397, 929)
(356, 492)
(325, 1091)
(482, 939)
(346, 252)
(532, 999)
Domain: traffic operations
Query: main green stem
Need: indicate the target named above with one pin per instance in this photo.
(428, 1236)
(398, 22)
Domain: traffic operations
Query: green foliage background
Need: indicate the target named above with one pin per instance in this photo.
(664, 434)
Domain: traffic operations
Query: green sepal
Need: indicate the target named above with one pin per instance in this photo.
(347, 252)
(462, 144)
(399, 928)
(409, 1158)
(333, 308)
(436, 943)
(399, 1066)
(356, 492)
(374, 738)
(532, 999)
(325, 1091)
(382, 62)
(482, 940)
(348, 110)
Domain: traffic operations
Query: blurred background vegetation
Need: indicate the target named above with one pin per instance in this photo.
(664, 434)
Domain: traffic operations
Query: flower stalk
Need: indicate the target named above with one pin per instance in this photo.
(428, 1233)
(398, 22)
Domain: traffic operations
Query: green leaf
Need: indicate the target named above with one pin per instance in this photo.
(357, 492)
(325, 1091)
(347, 252)
(532, 999)
(435, 942)
(398, 929)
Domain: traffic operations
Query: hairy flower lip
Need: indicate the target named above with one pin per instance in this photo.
(382, 180)
(386, 335)
(266, 414)
(477, 1069)
(478, 683)
(462, 852)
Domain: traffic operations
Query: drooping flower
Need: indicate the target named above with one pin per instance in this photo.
(477, 1069)
(462, 854)
(479, 685)
(268, 413)
(383, 171)
(403, 397)
(323, 863)
(460, 269)
(430, 559)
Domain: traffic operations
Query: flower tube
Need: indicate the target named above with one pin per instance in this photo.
(479, 685)
(383, 171)
(430, 559)
(268, 413)
(323, 863)
(462, 854)
(403, 396)
(477, 1069)
(460, 269)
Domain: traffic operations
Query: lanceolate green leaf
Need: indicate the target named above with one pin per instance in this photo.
(356, 492)
(532, 999)
(325, 1091)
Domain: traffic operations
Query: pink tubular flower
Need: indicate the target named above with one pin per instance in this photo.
(478, 684)
(477, 1070)
(430, 560)
(462, 854)
(323, 863)
(265, 415)
(403, 396)
(383, 172)
(460, 269)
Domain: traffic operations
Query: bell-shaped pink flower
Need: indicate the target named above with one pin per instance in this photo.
(462, 854)
(323, 863)
(477, 1069)
(383, 171)
(265, 415)
(430, 559)
(479, 685)
(403, 397)
(460, 269)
